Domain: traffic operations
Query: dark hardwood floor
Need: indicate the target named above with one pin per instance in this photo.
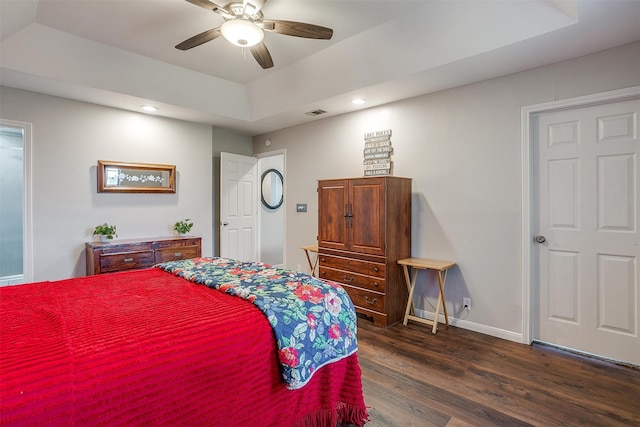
(462, 378)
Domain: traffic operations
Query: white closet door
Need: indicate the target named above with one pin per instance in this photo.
(588, 195)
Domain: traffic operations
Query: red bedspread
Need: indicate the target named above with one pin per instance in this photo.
(148, 348)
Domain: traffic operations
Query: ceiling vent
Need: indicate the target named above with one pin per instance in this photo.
(315, 112)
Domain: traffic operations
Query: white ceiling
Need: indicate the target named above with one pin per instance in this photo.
(121, 53)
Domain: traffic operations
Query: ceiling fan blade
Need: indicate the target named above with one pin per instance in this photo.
(199, 39)
(298, 29)
(262, 55)
(206, 4)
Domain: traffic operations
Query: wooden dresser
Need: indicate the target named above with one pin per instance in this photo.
(364, 228)
(131, 254)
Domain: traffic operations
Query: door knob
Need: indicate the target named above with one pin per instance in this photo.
(540, 239)
(225, 223)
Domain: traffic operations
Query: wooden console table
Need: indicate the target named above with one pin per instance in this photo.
(417, 264)
(312, 265)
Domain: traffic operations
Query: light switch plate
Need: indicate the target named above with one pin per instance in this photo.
(301, 207)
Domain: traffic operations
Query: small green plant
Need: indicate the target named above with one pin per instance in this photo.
(183, 226)
(105, 230)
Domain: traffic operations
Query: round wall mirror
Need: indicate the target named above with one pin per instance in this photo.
(272, 189)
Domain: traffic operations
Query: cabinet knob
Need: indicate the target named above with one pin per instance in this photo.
(323, 259)
(376, 269)
(376, 284)
(177, 255)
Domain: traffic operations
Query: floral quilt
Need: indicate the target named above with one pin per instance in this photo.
(314, 321)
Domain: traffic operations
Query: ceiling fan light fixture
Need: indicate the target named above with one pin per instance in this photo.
(242, 32)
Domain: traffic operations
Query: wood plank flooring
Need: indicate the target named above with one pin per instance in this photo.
(462, 378)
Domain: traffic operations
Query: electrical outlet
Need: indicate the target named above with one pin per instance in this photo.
(466, 303)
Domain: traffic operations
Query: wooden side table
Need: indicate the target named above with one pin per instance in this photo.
(314, 264)
(417, 264)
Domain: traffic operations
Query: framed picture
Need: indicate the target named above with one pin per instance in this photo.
(120, 177)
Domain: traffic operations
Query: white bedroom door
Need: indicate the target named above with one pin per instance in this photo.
(238, 207)
(588, 240)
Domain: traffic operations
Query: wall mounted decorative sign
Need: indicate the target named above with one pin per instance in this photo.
(377, 153)
(119, 177)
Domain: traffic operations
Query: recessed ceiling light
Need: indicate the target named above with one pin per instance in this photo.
(149, 108)
(358, 101)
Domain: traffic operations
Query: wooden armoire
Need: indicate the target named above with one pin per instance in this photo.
(364, 228)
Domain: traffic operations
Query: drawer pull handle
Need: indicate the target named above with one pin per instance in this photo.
(370, 301)
(128, 260)
(376, 269)
(376, 284)
(348, 280)
(323, 259)
(177, 254)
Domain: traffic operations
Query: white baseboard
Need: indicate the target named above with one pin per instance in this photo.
(475, 327)
(11, 280)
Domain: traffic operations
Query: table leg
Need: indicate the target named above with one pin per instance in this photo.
(442, 277)
(441, 302)
(407, 280)
(411, 285)
(312, 266)
(437, 313)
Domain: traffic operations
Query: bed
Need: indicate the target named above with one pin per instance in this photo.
(161, 347)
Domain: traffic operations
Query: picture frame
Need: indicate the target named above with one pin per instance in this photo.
(124, 177)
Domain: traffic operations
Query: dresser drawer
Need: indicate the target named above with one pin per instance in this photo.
(349, 278)
(125, 261)
(176, 253)
(365, 298)
(174, 243)
(355, 265)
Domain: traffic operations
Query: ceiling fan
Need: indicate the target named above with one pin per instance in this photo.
(245, 25)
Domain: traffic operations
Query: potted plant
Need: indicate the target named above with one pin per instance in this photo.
(105, 231)
(183, 227)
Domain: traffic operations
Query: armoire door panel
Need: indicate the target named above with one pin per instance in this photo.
(367, 207)
(332, 222)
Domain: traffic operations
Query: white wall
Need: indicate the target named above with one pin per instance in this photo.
(69, 137)
(462, 147)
